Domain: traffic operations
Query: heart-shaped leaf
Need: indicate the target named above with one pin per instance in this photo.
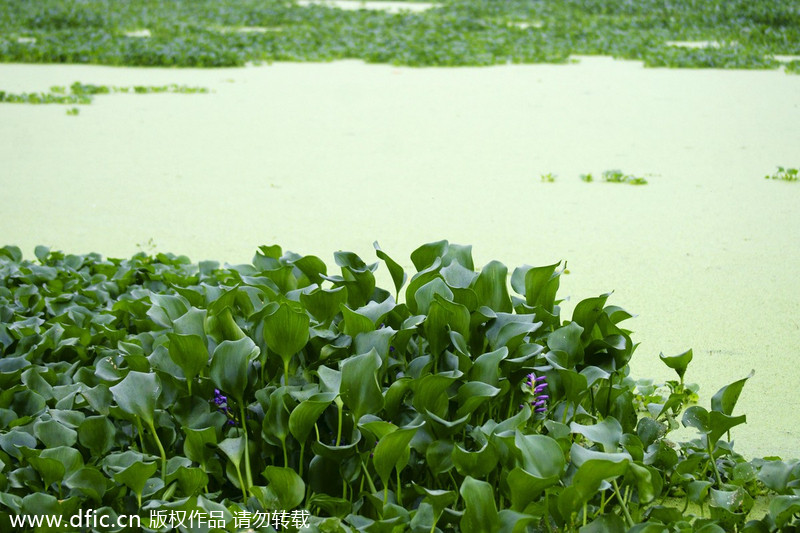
(359, 389)
(229, 366)
(137, 393)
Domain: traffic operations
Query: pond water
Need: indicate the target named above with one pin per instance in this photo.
(321, 157)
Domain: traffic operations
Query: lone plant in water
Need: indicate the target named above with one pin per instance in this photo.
(617, 176)
(785, 174)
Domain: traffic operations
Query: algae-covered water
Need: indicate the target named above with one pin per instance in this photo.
(321, 157)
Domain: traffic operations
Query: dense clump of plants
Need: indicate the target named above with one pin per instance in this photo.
(746, 33)
(446, 403)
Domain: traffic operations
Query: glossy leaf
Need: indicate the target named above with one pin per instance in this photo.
(137, 393)
(480, 512)
(359, 389)
(392, 452)
(286, 331)
(229, 365)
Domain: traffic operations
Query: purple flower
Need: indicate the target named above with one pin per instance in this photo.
(537, 385)
(221, 401)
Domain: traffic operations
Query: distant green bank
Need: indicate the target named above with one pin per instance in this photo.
(219, 33)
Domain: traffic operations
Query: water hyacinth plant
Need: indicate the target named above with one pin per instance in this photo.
(536, 386)
(456, 400)
(785, 174)
(216, 33)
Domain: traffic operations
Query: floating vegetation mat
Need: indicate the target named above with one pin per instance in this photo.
(744, 33)
(83, 93)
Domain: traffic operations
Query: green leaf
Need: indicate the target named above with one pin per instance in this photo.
(697, 491)
(286, 486)
(136, 475)
(430, 393)
(191, 480)
(137, 393)
(396, 271)
(778, 475)
(605, 523)
(648, 482)
(607, 432)
(51, 433)
(97, 434)
(418, 280)
(459, 253)
(166, 308)
(233, 448)
(69, 457)
(480, 513)
(782, 509)
(311, 266)
(188, 352)
(51, 470)
(355, 323)
(477, 464)
(229, 366)
(487, 366)
(392, 452)
(714, 424)
(198, 444)
(490, 287)
(359, 388)
(305, 415)
(567, 339)
(538, 284)
(424, 256)
(89, 481)
(286, 331)
(679, 362)
(725, 399)
(540, 455)
(437, 498)
(526, 488)
(587, 481)
(276, 421)
(424, 296)
(192, 323)
(324, 304)
(330, 379)
(587, 312)
(472, 395)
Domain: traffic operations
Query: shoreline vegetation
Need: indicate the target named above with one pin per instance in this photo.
(206, 33)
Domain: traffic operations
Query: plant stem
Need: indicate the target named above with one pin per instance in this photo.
(608, 398)
(339, 407)
(247, 471)
(286, 372)
(241, 482)
(302, 452)
(369, 478)
(622, 503)
(713, 462)
(547, 511)
(141, 434)
(162, 452)
(399, 491)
